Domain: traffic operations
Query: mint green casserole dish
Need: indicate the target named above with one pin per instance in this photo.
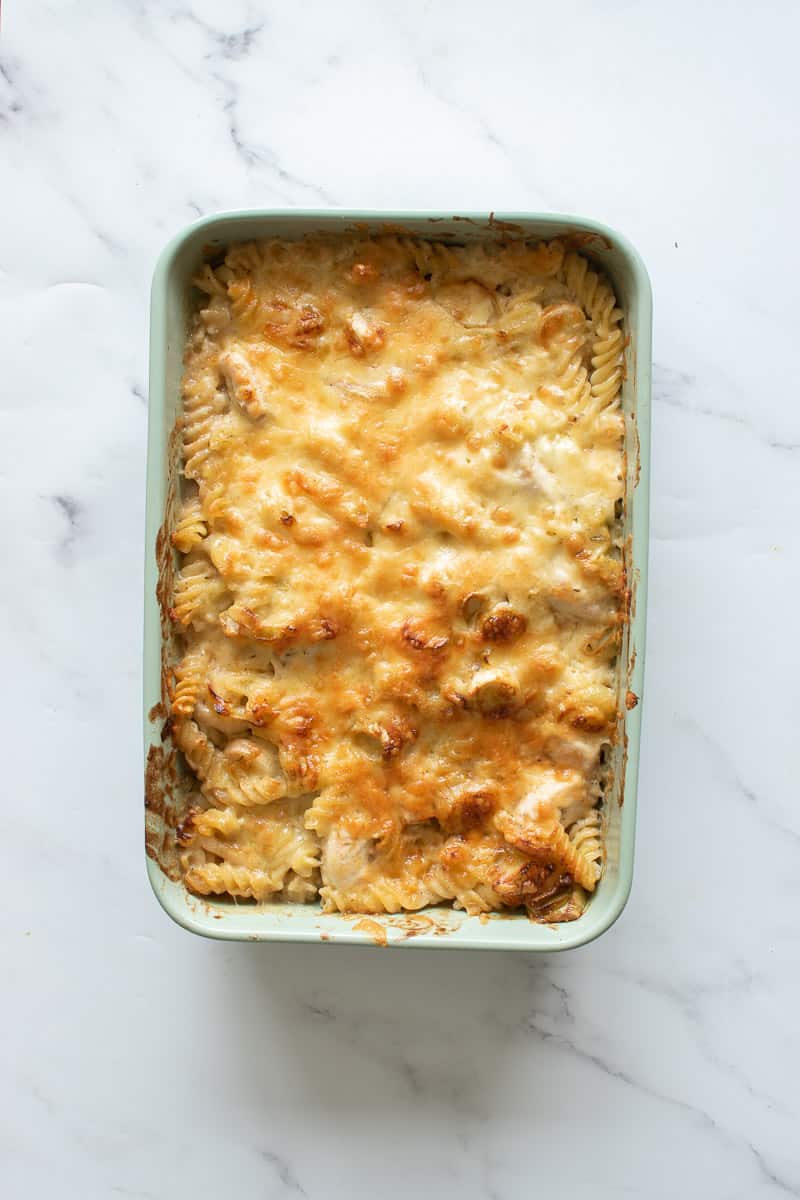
(438, 928)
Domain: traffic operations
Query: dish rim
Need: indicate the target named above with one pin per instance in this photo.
(200, 915)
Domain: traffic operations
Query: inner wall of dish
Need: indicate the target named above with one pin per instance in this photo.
(175, 780)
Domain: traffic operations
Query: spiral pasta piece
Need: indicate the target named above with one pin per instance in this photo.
(249, 883)
(190, 527)
(189, 683)
(599, 303)
(198, 593)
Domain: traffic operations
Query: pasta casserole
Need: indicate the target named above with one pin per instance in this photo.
(401, 587)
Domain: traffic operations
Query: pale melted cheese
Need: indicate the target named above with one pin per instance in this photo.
(401, 595)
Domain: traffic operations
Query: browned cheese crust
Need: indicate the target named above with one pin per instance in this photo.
(400, 595)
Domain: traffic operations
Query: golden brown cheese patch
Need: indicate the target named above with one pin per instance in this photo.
(400, 595)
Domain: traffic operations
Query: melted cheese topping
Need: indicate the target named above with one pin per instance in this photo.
(401, 587)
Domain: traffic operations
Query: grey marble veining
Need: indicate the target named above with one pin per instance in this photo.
(659, 1061)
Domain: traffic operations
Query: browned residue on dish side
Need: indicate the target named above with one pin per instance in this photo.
(500, 225)
(165, 788)
(376, 931)
(153, 791)
(580, 239)
(632, 663)
(164, 561)
(162, 812)
(211, 251)
(166, 571)
(631, 573)
(637, 470)
(623, 768)
(412, 925)
(416, 923)
(632, 599)
(405, 925)
(630, 581)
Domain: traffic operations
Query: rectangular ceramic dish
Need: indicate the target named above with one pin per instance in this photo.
(439, 928)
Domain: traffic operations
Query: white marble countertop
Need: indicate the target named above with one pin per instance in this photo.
(660, 1061)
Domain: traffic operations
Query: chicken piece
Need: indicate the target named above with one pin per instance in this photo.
(243, 384)
(363, 335)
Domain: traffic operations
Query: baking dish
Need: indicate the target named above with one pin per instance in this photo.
(439, 928)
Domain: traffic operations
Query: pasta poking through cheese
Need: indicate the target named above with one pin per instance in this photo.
(401, 585)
